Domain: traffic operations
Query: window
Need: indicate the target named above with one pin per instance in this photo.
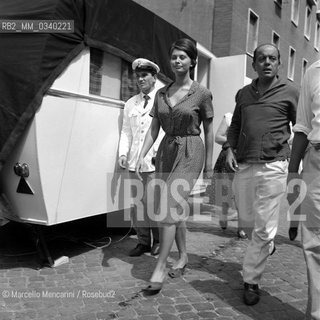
(303, 68)
(307, 23)
(295, 10)
(252, 34)
(275, 39)
(317, 36)
(291, 63)
(105, 74)
(112, 76)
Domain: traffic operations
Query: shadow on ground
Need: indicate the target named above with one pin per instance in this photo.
(18, 241)
(224, 288)
(227, 290)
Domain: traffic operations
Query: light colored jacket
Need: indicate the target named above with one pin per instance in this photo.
(136, 122)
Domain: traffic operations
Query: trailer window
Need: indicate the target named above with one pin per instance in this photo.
(105, 74)
(111, 76)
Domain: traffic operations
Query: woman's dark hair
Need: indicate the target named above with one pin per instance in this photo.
(189, 47)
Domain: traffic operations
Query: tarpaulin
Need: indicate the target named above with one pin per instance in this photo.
(30, 62)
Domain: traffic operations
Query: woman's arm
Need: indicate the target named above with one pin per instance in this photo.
(208, 140)
(149, 140)
(299, 145)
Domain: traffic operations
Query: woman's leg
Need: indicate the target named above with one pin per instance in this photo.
(167, 235)
(181, 245)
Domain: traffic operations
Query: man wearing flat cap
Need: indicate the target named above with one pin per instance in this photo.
(136, 122)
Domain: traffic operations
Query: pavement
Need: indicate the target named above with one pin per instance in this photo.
(96, 279)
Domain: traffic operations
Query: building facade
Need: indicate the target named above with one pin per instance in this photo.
(290, 24)
(235, 27)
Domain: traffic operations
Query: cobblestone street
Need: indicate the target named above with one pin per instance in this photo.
(106, 283)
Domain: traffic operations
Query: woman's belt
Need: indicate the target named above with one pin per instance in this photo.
(177, 138)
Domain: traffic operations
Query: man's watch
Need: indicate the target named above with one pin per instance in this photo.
(226, 146)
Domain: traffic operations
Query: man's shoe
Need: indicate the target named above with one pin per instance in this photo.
(139, 250)
(155, 249)
(251, 294)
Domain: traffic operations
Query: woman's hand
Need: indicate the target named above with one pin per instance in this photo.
(293, 186)
(149, 140)
(122, 161)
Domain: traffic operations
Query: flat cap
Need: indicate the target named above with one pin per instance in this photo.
(146, 64)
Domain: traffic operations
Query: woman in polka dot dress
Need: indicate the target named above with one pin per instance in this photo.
(179, 108)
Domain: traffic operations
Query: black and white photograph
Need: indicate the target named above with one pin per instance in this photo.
(160, 159)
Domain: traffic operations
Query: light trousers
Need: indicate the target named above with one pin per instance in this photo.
(143, 222)
(258, 190)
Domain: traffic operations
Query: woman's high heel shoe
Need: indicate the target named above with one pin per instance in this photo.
(153, 288)
(176, 273)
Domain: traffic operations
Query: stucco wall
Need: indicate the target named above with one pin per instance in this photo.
(272, 18)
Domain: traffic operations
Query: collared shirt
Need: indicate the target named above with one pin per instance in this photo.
(136, 122)
(308, 113)
(260, 129)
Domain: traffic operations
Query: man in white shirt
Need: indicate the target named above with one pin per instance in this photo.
(306, 147)
(136, 122)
